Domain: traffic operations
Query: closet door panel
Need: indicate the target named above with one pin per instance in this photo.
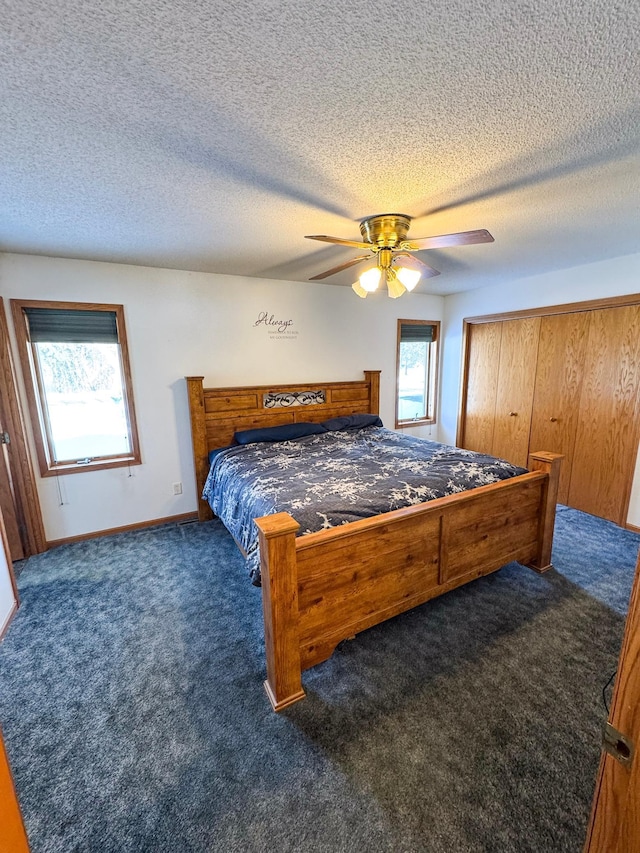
(561, 354)
(516, 381)
(607, 432)
(482, 384)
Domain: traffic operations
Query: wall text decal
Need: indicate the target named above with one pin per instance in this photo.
(278, 330)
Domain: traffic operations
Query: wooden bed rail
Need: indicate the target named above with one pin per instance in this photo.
(324, 587)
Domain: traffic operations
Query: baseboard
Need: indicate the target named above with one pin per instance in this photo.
(170, 519)
(633, 528)
(7, 621)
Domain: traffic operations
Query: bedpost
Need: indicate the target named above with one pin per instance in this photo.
(373, 380)
(277, 534)
(199, 438)
(547, 463)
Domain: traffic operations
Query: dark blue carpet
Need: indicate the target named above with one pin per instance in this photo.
(134, 716)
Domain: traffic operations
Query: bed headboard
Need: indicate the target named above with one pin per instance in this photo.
(217, 413)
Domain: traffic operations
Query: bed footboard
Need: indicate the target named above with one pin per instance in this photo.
(324, 587)
(549, 464)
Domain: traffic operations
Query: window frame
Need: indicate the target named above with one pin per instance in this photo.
(35, 394)
(433, 375)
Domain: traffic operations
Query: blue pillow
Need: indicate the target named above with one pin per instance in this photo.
(285, 432)
(352, 422)
(213, 453)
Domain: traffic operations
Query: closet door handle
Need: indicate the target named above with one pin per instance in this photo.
(553, 420)
(513, 414)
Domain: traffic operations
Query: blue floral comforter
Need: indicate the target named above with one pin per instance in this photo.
(338, 477)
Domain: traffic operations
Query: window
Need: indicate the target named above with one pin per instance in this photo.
(76, 370)
(417, 371)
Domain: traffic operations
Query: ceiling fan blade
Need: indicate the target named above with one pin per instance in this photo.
(464, 238)
(340, 241)
(340, 267)
(427, 271)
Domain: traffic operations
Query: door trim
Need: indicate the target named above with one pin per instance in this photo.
(27, 502)
(566, 308)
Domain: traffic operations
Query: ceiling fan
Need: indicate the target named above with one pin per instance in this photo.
(386, 237)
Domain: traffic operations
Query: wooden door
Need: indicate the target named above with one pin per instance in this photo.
(13, 838)
(561, 354)
(8, 505)
(516, 382)
(615, 816)
(607, 432)
(483, 360)
(18, 494)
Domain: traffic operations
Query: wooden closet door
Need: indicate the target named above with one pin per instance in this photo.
(483, 347)
(607, 433)
(514, 398)
(561, 354)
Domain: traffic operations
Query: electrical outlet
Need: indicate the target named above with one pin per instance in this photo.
(177, 488)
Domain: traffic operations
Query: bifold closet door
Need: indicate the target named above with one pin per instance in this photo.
(514, 397)
(561, 354)
(607, 431)
(483, 347)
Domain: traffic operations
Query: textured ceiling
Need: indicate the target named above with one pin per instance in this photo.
(213, 136)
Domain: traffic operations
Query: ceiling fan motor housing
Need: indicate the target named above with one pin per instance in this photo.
(387, 230)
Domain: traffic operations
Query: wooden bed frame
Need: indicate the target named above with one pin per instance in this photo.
(324, 587)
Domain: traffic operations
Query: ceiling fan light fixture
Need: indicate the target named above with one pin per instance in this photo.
(408, 277)
(357, 288)
(395, 287)
(370, 279)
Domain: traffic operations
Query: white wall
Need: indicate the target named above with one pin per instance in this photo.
(593, 281)
(183, 323)
(7, 595)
